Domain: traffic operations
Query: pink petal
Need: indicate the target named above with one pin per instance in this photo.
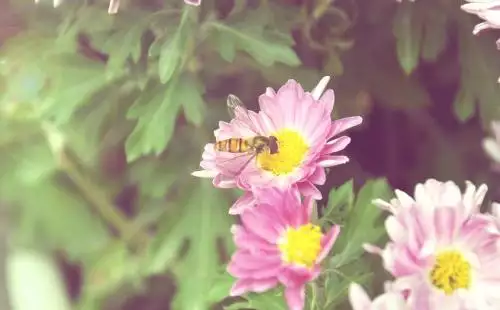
(308, 189)
(295, 297)
(329, 161)
(327, 242)
(343, 124)
(243, 286)
(246, 201)
(328, 100)
(336, 145)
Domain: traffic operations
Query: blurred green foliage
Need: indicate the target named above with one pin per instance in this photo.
(103, 118)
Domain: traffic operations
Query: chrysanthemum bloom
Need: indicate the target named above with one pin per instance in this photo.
(388, 301)
(441, 251)
(433, 194)
(277, 243)
(301, 122)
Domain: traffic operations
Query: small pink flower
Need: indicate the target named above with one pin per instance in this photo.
(442, 252)
(388, 301)
(277, 243)
(301, 122)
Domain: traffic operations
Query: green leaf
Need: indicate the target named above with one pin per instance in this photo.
(435, 33)
(191, 95)
(173, 50)
(337, 282)
(464, 105)
(250, 35)
(75, 80)
(340, 202)
(408, 30)
(122, 44)
(205, 220)
(362, 225)
(220, 287)
(272, 299)
(156, 111)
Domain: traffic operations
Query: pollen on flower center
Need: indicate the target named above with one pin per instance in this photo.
(301, 246)
(291, 151)
(451, 271)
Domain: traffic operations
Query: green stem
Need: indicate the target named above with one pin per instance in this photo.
(98, 198)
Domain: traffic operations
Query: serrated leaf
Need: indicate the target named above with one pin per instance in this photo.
(156, 121)
(191, 94)
(250, 36)
(464, 105)
(122, 44)
(409, 32)
(205, 220)
(361, 225)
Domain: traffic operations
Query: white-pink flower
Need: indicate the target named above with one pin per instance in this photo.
(277, 243)
(487, 10)
(390, 300)
(441, 251)
(301, 123)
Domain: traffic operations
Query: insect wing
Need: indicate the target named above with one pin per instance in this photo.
(235, 106)
(236, 164)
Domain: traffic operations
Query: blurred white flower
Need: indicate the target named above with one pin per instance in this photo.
(491, 145)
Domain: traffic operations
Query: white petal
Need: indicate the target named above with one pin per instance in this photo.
(204, 174)
(492, 148)
(320, 88)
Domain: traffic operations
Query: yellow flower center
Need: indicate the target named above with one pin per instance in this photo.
(301, 246)
(291, 151)
(450, 272)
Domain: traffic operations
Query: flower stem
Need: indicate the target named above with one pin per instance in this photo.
(129, 232)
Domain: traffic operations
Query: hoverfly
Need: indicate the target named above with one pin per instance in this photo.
(246, 146)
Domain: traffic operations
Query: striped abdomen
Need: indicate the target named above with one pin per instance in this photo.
(232, 145)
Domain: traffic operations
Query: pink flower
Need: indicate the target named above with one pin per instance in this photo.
(276, 243)
(487, 10)
(441, 251)
(388, 301)
(302, 125)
